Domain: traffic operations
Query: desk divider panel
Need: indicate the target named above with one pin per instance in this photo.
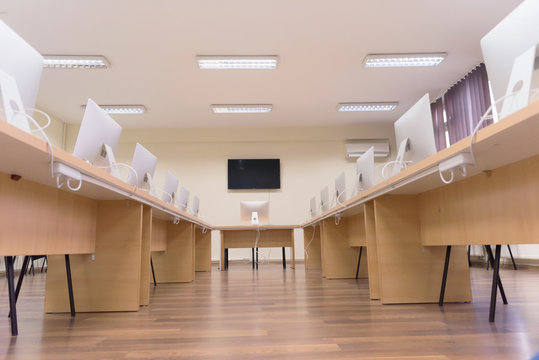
(202, 250)
(339, 259)
(36, 219)
(176, 264)
(159, 235)
(372, 254)
(313, 258)
(145, 271)
(409, 272)
(497, 207)
(111, 282)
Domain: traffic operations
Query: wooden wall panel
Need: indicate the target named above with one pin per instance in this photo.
(311, 241)
(202, 250)
(176, 264)
(409, 272)
(499, 207)
(372, 254)
(61, 222)
(111, 282)
(145, 270)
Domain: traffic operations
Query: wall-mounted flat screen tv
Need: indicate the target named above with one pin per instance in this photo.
(248, 174)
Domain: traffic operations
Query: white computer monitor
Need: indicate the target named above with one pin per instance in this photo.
(255, 212)
(183, 200)
(144, 165)
(98, 138)
(324, 198)
(340, 188)
(171, 188)
(365, 171)
(22, 62)
(415, 134)
(514, 35)
(194, 208)
(314, 206)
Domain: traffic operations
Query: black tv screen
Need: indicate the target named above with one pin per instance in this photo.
(244, 174)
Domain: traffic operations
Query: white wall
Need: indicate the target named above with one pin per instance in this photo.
(310, 159)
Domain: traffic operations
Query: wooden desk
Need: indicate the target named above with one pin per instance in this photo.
(106, 227)
(410, 218)
(245, 237)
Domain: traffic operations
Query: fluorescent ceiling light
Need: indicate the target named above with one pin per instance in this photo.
(403, 60)
(375, 106)
(121, 109)
(75, 62)
(237, 62)
(241, 109)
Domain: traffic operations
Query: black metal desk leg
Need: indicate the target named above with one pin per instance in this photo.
(153, 272)
(444, 277)
(284, 259)
(226, 259)
(11, 290)
(495, 278)
(21, 277)
(512, 258)
(359, 261)
(70, 285)
(253, 257)
(469, 261)
(257, 258)
(491, 261)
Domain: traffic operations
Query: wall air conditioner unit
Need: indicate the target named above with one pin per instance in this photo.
(357, 148)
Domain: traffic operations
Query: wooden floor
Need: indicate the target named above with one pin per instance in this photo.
(276, 314)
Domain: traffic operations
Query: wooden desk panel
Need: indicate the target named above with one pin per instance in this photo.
(37, 219)
(498, 207)
(159, 235)
(245, 237)
(409, 272)
(372, 253)
(176, 264)
(145, 252)
(202, 250)
(111, 282)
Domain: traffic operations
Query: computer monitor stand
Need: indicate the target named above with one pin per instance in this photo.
(399, 160)
(254, 218)
(148, 181)
(109, 161)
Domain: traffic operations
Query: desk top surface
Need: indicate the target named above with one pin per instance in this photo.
(257, 227)
(511, 139)
(26, 155)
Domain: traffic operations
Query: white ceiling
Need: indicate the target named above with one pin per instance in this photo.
(152, 45)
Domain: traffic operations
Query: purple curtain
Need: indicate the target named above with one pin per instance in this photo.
(437, 110)
(466, 102)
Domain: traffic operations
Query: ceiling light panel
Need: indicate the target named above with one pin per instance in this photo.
(375, 106)
(122, 109)
(237, 62)
(75, 62)
(403, 60)
(241, 109)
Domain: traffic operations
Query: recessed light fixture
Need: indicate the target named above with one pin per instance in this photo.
(75, 62)
(208, 62)
(121, 109)
(403, 60)
(241, 109)
(375, 106)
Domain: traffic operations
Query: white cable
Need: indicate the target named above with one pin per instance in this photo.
(44, 114)
(73, 188)
(45, 137)
(401, 164)
(129, 167)
(309, 243)
(337, 218)
(450, 179)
